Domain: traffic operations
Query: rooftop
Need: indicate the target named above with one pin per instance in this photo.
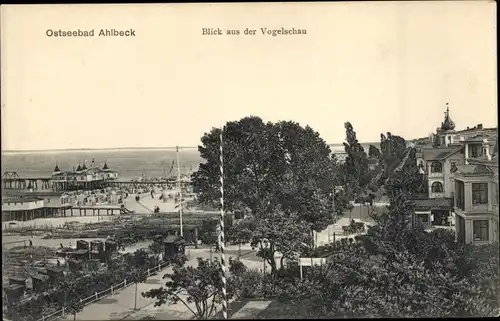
(22, 199)
(433, 203)
(473, 170)
(174, 239)
(448, 124)
(439, 153)
(81, 252)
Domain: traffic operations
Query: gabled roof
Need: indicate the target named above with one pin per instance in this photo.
(483, 161)
(439, 153)
(473, 169)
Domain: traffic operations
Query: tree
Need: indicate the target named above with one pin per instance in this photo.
(392, 150)
(74, 306)
(210, 228)
(272, 172)
(355, 169)
(201, 286)
(373, 151)
(157, 248)
(280, 233)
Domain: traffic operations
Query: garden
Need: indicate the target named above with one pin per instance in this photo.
(68, 291)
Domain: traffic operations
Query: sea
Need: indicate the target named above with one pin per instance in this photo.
(129, 163)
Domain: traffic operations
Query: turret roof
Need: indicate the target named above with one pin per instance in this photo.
(448, 124)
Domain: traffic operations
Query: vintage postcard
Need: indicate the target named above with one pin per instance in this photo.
(249, 161)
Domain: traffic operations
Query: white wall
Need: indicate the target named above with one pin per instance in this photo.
(22, 206)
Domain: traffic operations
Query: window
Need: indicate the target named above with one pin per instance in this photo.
(436, 167)
(475, 150)
(453, 167)
(479, 193)
(437, 187)
(495, 186)
(424, 218)
(480, 230)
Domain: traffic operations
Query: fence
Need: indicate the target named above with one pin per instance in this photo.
(100, 295)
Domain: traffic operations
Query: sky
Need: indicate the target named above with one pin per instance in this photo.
(382, 66)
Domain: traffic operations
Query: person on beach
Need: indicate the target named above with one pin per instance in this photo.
(31, 243)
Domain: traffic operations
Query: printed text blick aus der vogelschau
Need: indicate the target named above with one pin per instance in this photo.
(253, 32)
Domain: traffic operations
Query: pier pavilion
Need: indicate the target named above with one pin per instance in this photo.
(83, 178)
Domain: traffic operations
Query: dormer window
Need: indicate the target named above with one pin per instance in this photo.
(436, 167)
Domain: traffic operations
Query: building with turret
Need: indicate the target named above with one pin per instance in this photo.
(476, 199)
(83, 177)
(438, 159)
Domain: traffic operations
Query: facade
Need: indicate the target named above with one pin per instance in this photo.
(476, 200)
(83, 178)
(438, 159)
(16, 208)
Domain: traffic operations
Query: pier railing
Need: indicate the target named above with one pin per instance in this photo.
(101, 295)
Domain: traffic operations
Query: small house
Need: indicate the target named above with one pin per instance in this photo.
(173, 245)
(74, 265)
(111, 246)
(82, 245)
(39, 281)
(81, 254)
(14, 291)
(96, 245)
(55, 272)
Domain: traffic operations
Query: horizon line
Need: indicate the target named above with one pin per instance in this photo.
(119, 148)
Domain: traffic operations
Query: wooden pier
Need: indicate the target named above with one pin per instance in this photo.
(59, 211)
(12, 181)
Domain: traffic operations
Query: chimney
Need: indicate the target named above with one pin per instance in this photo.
(479, 126)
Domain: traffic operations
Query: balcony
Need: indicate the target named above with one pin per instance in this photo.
(436, 195)
(480, 207)
(436, 174)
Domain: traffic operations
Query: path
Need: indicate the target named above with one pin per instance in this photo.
(120, 306)
(359, 213)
